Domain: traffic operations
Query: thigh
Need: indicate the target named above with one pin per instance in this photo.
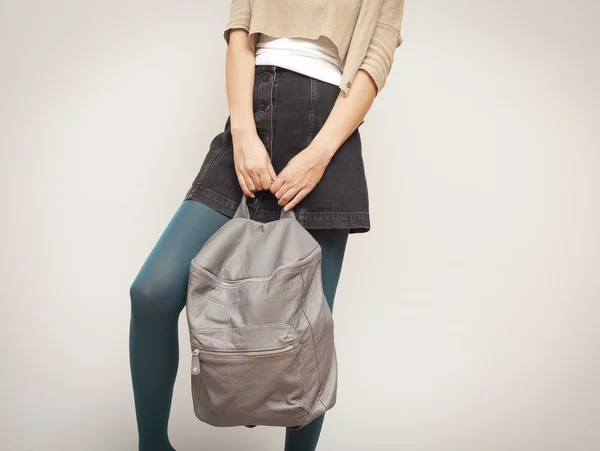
(333, 245)
(161, 284)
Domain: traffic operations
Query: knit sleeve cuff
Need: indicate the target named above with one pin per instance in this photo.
(239, 17)
(380, 54)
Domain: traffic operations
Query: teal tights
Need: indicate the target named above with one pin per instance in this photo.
(157, 298)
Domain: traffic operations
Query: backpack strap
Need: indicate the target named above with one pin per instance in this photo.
(287, 214)
(243, 212)
(242, 209)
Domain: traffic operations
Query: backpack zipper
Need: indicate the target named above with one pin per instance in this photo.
(296, 266)
(197, 352)
(195, 361)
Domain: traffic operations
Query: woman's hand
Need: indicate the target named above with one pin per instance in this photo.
(252, 163)
(300, 176)
(305, 170)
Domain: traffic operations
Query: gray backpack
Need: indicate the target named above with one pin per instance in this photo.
(261, 331)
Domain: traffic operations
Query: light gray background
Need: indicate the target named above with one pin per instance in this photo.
(467, 319)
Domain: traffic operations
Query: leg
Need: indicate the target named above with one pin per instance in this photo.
(333, 243)
(158, 296)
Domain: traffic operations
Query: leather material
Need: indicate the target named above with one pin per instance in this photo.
(261, 332)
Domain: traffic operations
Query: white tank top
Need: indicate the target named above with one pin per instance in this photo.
(316, 58)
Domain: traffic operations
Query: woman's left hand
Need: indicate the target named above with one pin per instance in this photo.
(299, 177)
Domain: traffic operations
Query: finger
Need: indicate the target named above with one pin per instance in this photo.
(297, 198)
(249, 182)
(284, 189)
(255, 180)
(288, 195)
(243, 185)
(280, 180)
(272, 173)
(265, 179)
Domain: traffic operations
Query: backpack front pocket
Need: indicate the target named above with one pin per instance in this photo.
(248, 375)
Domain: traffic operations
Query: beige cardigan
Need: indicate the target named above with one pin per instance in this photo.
(365, 32)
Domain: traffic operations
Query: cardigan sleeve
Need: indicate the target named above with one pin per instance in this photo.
(239, 17)
(385, 40)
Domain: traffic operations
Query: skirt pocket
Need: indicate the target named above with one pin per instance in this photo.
(258, 382)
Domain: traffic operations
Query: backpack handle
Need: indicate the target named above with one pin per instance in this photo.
(243, 212)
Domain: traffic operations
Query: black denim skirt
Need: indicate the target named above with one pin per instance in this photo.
(289, 110)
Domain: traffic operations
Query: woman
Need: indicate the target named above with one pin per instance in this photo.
(300, 78)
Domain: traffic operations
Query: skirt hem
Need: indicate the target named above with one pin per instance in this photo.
(354, 222)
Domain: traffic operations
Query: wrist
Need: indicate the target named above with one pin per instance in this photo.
(324, 147)
(243, 129)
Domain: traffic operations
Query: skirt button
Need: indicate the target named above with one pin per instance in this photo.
(267, 108)
(266, 139)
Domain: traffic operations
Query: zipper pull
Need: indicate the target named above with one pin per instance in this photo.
(195, 362)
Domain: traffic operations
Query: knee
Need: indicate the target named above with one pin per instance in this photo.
(156, 298)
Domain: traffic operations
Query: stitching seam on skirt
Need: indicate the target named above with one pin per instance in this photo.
(209, 163)
(311, 110)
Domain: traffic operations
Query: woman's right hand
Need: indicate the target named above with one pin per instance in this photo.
(252, 163)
